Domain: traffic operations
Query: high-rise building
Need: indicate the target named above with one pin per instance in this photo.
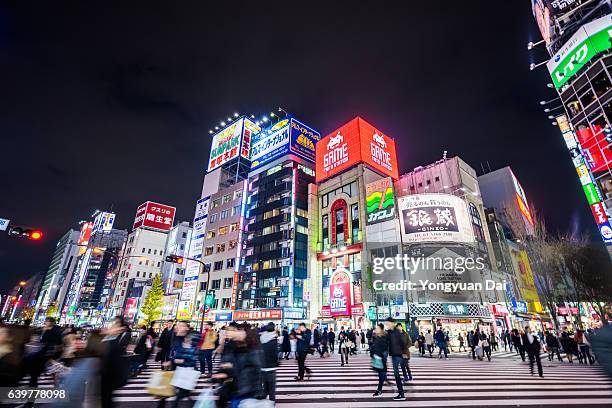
(353, 221)
(177, 243)
(141, 258)
(62, 264)
(578, 35)
(443, 217)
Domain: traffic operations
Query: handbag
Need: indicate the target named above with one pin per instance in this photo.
(185, 378)
(206, 399)
(159, 384)
(377, 362)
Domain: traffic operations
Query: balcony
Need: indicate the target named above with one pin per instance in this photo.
(264, 239)
(259, 210)
(268, 255)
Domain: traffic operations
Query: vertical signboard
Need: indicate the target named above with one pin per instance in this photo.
(585, 175)
(340, 293)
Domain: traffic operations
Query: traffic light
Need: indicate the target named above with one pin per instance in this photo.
(32, 234)
(209, 300)
(174, 259)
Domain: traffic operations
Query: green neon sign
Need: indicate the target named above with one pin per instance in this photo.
(591, 193)
(590, 40)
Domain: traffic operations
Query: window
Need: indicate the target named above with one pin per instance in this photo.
(227, 282)
(325, 202)
(325, 222)
(220, 248)
(215, 304)
(301, 212)
(237, 194)
(233, 226)
(143, 250)
(184, 235)
(215, 203)
(161, 252)
(223, 230)
(182, 246)
(224, 214)
(211, 234)
(235, 210)
(202, 286)
(208, 251)
(147, 262)
(339, 227)
(150, 274)
(301, 229)
(218, 266)
(149, 251)
(158, 264)
(155, 252)
(230, 263)
(355, 222)
(233, 243)
(225, 303)
(213, 218)
(138, 274)
(206, 268)
(216, 284)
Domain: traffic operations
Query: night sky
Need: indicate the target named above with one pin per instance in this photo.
(106, 107)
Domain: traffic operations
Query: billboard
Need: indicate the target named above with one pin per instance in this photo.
(527, 286)
(584, 137)
(380, 201)
(591, 39)
(86, 230)
(434, 218)
(353, 143)
(287, 136)
(103, 222)
(154, 215)
(231, 141)
(340, 293)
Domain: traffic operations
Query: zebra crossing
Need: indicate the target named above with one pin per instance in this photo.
(460, 381)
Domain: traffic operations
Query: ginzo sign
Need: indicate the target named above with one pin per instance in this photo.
(154, 215)
(356, 142)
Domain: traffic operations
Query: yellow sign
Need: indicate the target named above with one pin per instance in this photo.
(527, 285)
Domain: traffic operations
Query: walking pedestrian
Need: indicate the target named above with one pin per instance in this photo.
(584, 347)
(471, 340)
(379, 350)
(486, 345)
(397, 346)
(303, 336)
(286, 344)
(406, 354)
(269, 344)
(461, 342)
(441, 339)
(421, 344)
(344, 345)
(517, 341)
(164, 343)
(331, 336)
(552, 343)
(493, 341)
(357, 341)
(206, 347)
(429, 342)
(533, 348)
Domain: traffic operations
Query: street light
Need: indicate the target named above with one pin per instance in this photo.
(547, 102)
(533, 66)
(552, 109)
(532, 44)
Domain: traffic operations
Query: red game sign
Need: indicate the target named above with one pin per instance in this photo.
(356, 142)
(340, 294)
(154, 215)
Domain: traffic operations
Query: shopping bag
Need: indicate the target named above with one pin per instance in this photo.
(255, 403)
(377, 362)
(185, 378)
(159, 384)
(479, 352)
(206, 399)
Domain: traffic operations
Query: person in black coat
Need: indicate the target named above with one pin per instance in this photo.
(269, 346)
(552, 343)
(533, 347)
(379, 350)
(397, 346)
(286, 346)
(303, 346)
(331, 337)
(165, 342)
(517, 341)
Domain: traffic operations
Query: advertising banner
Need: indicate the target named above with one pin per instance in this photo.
(86, 229)
(303, 140)
(154, 215)
(435, 218)
(231, 141)
(131, 308)
(270, 144)
(527, 285)
(340, 294)
(103, 222)
(266, 314)
(353, 143)
(184, 310)
(591, 39)
(192, 268)
(380, 201)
